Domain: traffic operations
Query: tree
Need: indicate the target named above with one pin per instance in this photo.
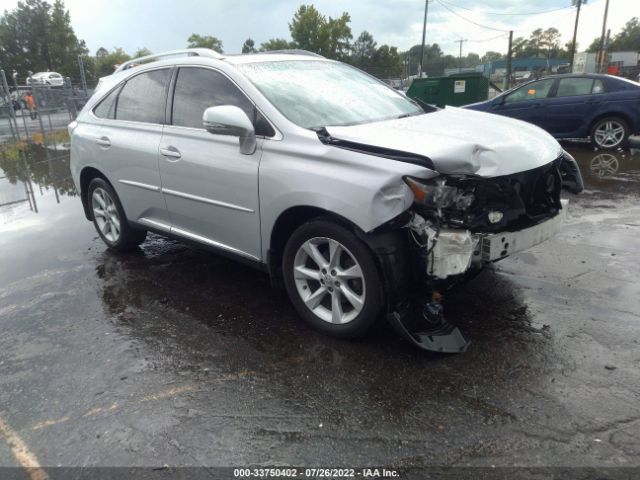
(305, 28)
(387, 62)
(312, 31)
(101, 52)
(628, 38)
(434, 61)
(248, 46)
(363, 51)
(276, 44)
(141, 52)
(471, 60)
(106, 62)
(491, 56)
(204, 41)
(336, 34)
(550, 42)
(36, 36)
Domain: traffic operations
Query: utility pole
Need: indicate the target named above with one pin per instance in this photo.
(424, 32)
(507, 84)
(461, 41)
(577, 4)
(604, 27)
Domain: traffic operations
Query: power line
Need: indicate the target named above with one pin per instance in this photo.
(502, 35)
(505, 13)
(470, 21)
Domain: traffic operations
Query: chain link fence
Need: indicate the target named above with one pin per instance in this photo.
(34, 143)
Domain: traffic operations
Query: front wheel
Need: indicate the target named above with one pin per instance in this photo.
(610, 133)
(109, 218)
(332, 279)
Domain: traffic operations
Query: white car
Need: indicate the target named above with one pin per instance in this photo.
(349, 193)
(46, 78)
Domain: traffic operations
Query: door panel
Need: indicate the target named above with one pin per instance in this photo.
(570, 107)
(129, 141)
(211, 189)
(132, 162)
(528, 103)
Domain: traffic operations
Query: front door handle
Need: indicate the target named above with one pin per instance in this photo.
(104, 142)
(171, 152)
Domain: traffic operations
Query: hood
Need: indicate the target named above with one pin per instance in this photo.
(460, 141)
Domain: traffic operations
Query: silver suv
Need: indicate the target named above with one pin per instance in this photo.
(353, 196)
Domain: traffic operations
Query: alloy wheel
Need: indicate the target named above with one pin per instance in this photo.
(106, 214)
(609, 134)
(329, 280)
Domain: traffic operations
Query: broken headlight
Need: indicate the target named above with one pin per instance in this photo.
(437, 194)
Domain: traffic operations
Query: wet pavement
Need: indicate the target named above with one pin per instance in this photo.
(175, 356)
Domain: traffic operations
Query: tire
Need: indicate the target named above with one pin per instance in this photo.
(324, 255)
(109, 218)
(610, 133)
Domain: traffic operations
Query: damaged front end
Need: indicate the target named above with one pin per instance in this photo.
(459, 223)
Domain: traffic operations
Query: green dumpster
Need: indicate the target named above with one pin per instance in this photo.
(458, 89)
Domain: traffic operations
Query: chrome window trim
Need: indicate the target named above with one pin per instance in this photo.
(209, 201)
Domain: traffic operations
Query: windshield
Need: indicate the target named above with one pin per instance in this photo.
(315, 94)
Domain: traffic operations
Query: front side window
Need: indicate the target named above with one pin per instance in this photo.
(318, 93)
(531, 91)
(198, 89)
(143, 97)
(569, 87)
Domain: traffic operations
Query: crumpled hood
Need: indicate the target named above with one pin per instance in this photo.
(461, 141)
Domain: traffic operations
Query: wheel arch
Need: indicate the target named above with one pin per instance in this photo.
(86, 175)
(386, 243)
(600, 116)
(286, 223)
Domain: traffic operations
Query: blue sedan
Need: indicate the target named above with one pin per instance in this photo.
(601, 107)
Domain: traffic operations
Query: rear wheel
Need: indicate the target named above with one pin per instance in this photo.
(610, 133)
(332, 280)
(109, 218)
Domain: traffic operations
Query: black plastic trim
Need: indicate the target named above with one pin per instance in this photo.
(389, 153)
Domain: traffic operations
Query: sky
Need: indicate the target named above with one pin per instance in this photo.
(161, 25)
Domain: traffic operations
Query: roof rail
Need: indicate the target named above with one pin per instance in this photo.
(188, 52)
(293, 51)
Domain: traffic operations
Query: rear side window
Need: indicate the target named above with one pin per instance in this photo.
(574, 86)
(199, 88)
(107, 107)
(143, 97)
(598, 86)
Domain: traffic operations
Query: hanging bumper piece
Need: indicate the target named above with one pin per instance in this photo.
(431, 332)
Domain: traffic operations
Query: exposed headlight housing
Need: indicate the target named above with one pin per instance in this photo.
(437, 194)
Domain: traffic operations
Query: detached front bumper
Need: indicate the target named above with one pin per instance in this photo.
(495, 246)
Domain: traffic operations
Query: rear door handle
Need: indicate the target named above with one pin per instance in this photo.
(104, 142)
(171, 152)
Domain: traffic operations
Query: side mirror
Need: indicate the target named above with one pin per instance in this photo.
(230, 120)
